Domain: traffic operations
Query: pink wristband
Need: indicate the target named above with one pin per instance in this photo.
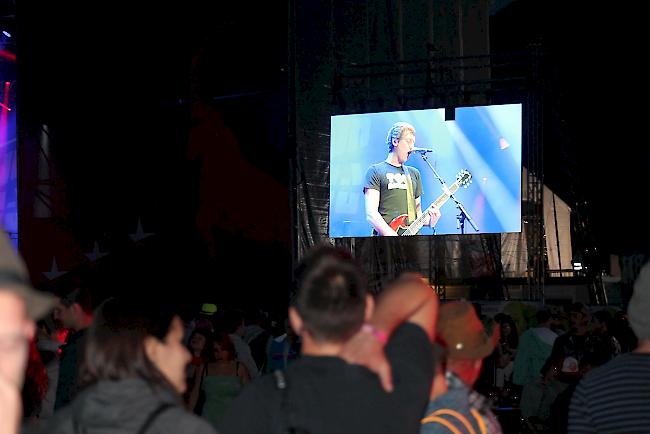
(379, 334)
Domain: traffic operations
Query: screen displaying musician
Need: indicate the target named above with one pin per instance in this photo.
(386, 179)
(393, 190)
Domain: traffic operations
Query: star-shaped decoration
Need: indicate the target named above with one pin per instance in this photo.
(139, 233)
(54, 271)
(95, 254)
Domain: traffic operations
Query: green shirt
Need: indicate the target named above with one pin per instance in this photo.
(390, 181)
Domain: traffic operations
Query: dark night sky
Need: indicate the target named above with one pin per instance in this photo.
(113, 82)
(594, 134)
(107, 77)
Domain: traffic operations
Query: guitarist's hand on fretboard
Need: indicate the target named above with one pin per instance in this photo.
(435, 215)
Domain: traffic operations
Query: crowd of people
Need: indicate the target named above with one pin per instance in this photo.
(341, 360)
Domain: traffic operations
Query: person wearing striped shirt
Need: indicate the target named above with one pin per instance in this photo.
(615, 398)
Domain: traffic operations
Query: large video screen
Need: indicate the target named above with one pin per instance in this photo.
(387, 169)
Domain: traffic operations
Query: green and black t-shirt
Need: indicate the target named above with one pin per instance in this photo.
(390, 181)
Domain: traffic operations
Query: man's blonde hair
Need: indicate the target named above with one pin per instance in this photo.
(397, 131)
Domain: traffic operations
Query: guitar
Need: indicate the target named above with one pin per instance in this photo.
(400, 223)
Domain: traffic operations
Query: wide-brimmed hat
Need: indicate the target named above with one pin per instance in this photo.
(14, 278)
(462, 333)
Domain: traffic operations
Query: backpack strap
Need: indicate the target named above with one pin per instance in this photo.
(436, 417)
(281, 385)
(441, 421)
(285, 410)
(198, 390)
(479, 420)
(204, 372)
(457, 415)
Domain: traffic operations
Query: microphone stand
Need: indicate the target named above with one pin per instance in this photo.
(462, 212)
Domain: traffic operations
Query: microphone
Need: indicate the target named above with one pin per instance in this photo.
(422, 150)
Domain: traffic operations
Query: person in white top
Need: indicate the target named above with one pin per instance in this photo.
(234, 323)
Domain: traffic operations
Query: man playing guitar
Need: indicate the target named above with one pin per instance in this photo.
(393, 189)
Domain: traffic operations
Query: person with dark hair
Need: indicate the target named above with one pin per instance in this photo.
(75, 313)
(601, 321)
(558, 320)
(506, 350)
(257, 336)
(133, 374)
(325, 391)
(578, 341)
(392, 190)
(233, 324)
(75, 309)
(593, 357)
(613, 398)
(220, 379)
(570, 347)
(36, 385)
(602, 328)
(284, 349)
(623, 332)
(197, 344)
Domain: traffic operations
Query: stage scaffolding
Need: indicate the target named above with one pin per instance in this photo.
(443, 259)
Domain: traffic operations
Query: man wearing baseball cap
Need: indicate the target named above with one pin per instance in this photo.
(20, 305)
(461, 345)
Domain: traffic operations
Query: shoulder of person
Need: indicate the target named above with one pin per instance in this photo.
(260, 389)
(413, 170)
(377, 167)
(621, 365)
(254, 410)
(177, 419)
(563, 339)
(60, 423)
(408, 331)
(410, 345)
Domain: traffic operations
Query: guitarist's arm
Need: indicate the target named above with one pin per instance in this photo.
(418, 207)
(434, 213)
(372, 213)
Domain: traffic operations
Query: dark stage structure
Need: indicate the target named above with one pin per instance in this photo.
(182, 143)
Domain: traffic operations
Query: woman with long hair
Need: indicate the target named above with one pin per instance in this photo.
(133, 375)
(506, 350)
(220, 380)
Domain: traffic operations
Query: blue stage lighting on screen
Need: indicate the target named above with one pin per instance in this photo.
(451, 146)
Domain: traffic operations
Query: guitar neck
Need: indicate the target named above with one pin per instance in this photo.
(415, 227)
